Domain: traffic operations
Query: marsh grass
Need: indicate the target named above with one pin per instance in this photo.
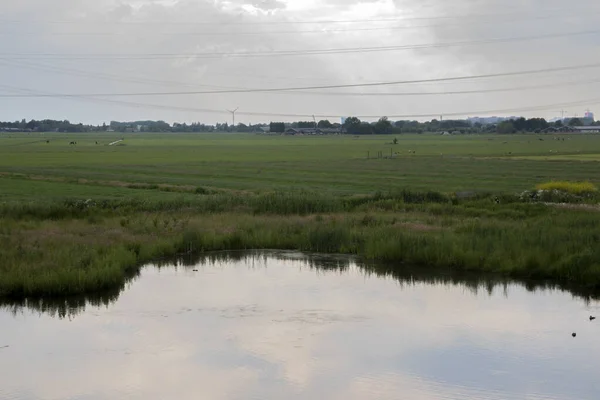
(77, 247)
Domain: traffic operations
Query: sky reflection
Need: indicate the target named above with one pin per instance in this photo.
(267, 327)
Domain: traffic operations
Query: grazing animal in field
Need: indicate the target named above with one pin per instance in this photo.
(47, 141)
(96, 142)
(592, 318)
(72, 143)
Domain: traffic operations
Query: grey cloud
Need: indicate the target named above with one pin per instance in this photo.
(269, 4)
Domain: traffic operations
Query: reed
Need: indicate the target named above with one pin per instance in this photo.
(68, 248)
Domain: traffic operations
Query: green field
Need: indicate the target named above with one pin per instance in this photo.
(83, 218)
(256, 163)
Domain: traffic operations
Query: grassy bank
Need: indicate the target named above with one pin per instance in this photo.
(74, 247)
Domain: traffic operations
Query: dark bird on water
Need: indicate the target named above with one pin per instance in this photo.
(573, 334)
(592, 318)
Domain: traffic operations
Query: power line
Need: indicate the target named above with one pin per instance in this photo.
(321, 87)
(279, 53)
(293, 115)
(104, 76)
(118, 78)
(141, 80)
(456, 92)
(397, 116)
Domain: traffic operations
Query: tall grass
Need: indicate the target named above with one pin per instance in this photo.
(67, 249)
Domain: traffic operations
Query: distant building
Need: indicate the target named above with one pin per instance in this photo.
(489, 120)
(15, 130)
(586, 120)
(586, 129)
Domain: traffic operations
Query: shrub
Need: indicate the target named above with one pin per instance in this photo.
(569, 187)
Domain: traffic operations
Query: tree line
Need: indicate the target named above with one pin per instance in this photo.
(47, 125)
(355, 126)
(352, 126)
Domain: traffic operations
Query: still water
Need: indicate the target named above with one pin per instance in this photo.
(290, 326)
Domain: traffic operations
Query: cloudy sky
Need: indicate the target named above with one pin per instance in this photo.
(137, 47)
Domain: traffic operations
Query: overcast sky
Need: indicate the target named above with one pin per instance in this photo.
(143, 46)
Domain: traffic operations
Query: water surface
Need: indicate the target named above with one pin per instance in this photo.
(285, 325)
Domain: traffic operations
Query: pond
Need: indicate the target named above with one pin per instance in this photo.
(283, 325)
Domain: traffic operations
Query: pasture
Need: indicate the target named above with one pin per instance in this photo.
(46, 166)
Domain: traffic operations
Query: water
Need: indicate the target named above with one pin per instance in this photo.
(281, 325)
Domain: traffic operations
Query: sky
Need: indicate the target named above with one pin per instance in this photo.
(136, 60)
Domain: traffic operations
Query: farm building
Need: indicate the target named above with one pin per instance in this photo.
(586, 129)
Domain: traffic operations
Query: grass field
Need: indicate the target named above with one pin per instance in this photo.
(256, 163)
(159, 195)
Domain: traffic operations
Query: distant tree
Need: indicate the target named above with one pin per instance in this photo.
(537, 124)
(306, 124)
(409, 126)
(324, 124)
(506, 127)
(365, 128)
(242, 128)
(449, 125)
(519, 124)
(383, 126)
(575, 122)
(352, 125)
(559, 124)
(277, 127)
(224, 127)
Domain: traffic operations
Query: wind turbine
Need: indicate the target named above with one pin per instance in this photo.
(233, 115)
